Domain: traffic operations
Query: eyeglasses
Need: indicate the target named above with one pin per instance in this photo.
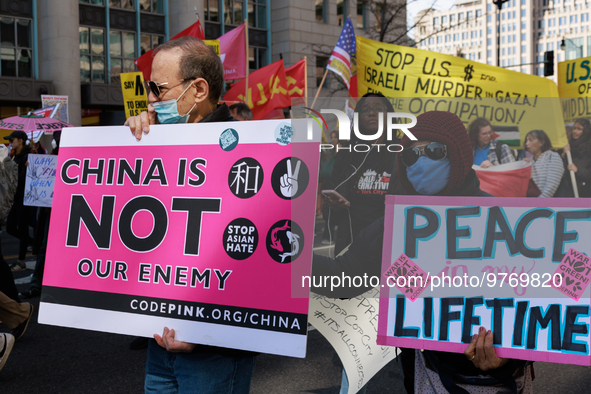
(377, 109)
(434, 151)
(154, 87)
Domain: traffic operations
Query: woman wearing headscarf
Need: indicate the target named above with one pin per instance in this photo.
(488, 152)
(579, 144)
(439, 163)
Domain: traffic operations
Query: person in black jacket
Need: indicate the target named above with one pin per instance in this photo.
(363, 176)
(187, 84)
(17, 223)
(579, 144)
(438, 164)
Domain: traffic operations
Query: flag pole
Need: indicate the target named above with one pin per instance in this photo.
(573, 179)
(306, 79)
(247, 54)
(320, 88)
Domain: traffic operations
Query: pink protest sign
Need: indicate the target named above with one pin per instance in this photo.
(491, 262)
(189, 228)
(408, 277)
(575, 271)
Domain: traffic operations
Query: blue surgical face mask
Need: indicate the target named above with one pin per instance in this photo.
(429, 177)
(168, 111)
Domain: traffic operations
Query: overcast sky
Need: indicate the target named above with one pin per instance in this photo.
(414, 6)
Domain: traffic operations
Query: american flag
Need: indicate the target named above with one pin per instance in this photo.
(342, 60)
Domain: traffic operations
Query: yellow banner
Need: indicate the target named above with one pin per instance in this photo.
(135, 99)
(423, 81)
(574, 87)
(215, 45)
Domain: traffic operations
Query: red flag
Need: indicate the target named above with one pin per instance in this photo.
(233, 53)
(505, 180)
(144, 62)
(296, 74)
(267, 90)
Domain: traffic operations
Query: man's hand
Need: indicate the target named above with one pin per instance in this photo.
(168, 342)
(482, 353)
(141, 123)
(486, 164)
(572, 167)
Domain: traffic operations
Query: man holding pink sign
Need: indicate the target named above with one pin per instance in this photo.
(187, 80)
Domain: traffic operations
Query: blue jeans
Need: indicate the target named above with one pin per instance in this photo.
(203, 373)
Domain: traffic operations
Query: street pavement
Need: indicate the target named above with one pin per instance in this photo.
(51, 359)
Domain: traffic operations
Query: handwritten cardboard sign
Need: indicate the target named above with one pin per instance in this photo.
(493, 262)
(182, 233)
(351, 327)
(40, 180)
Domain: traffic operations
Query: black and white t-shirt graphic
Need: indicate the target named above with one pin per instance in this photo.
(290, 178)
(240, 239)
(246, 177)
(373, 183)
(285, 241)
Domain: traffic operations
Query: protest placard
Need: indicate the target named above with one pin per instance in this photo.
(214, 45)
(135, 97)
(62, 112)
(574, 87)
(351, 327)
(513, 102)
(190, 228)
(40, 180)
(491, 262)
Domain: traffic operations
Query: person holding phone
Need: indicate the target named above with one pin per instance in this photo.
(355, 193)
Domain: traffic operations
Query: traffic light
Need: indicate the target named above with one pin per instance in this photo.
(548, 63)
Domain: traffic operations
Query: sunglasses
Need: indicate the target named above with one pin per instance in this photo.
(434, 151)
(377, 109)
(154, 87)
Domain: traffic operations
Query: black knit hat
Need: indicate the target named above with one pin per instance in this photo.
(448, 129)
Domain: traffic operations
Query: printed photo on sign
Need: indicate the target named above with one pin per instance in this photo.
(245, 178)
(240, 239)
(290, 178)
(285, 241)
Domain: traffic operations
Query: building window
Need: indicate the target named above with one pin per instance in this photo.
(461, 16)
(257, 58)
(122, 53)
(523, 36)
(523, 25)
(321, 11)
(212, 10)
(585, 17)
(574, 48)
(233, 12)
(573, 19)
(257, 14)
(523, 13)
(16, 58)
(469, 15)
(155, 6)
(523, 48)
(94, 2)
(321, 63)
(478, 13)
(550, 46)
(489, 53)
(361, 15)
(489, 41)
(150, 41)
(452, 18)
(489, 18)
(125, 4)
(341, 12)
(435, 21)
(92, 54)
